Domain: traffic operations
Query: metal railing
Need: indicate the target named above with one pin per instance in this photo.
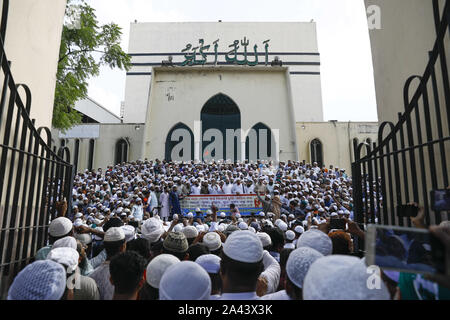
(34, 176)
(411, 159)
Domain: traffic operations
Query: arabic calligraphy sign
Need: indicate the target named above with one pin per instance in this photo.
(192, 57)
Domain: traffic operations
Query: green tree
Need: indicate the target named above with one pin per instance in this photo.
(85, 47)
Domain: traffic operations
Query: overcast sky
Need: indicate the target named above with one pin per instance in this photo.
(348, 89)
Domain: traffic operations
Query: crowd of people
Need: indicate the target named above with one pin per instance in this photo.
(127, 237)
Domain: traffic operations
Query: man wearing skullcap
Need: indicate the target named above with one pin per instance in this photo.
(40, 280)
(297, 267)
(211, 264)
(213, 242)
(290, 237)
(59, 228)
(175, 285)
(339, 277)
(114, 243)
(127, 275)
(191, 233)
(176, 244)
(316, 239)
(154, 272)
(80, 287)
(241, 266)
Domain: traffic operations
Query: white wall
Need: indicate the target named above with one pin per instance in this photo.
(400, 50)
(170, 38)
(337, 140)
(94, 110)
(262, 95)
(32, 44)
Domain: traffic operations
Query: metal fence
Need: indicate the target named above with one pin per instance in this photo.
(34, 176)
(411, 159)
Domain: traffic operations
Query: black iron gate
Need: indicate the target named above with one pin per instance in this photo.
(34, 176)
(411, 159)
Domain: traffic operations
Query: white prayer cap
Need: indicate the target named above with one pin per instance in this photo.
(238, 215)
(114, 234)
(200, 228)
(157, 267)
(84, 238)
(341, 277)
(152, 229)
(299, 229)
(175, 217)
(221, 227)
(264, 238)
(197, 210)
(190, 232)
(298, 264)
(175, 285)
(130, 232)
(60, 226)
(190, 215)
(66, 242)
(208, 212)
(291, 216)
(270, 214)
(316, 239)
(40, 280)
(243, 226)
(281, 224)
(78, 222)
(262, 214)
(212, 241)
(290, 235)
(178, 227)
(209, 262)
(223, 215)
(78, 215)
(252, 229)
(244, 246)
(333, 214)
(68, 257)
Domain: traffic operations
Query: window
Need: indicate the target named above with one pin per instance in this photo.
(317, 152)
(91, 154)
(121, 151)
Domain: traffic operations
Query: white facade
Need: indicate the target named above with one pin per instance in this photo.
(286, 99)
(295, 43)
(262, 94)
(32, 45)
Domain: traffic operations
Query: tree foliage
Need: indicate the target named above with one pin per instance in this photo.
(85, 47)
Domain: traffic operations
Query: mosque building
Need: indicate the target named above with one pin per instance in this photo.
(217, 90)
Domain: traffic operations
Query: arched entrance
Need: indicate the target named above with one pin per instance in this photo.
(121, 151)
(317, 152)
(179, 143)
(219, 114)
(259, 143)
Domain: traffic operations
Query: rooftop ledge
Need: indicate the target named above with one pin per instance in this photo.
(210, 68)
